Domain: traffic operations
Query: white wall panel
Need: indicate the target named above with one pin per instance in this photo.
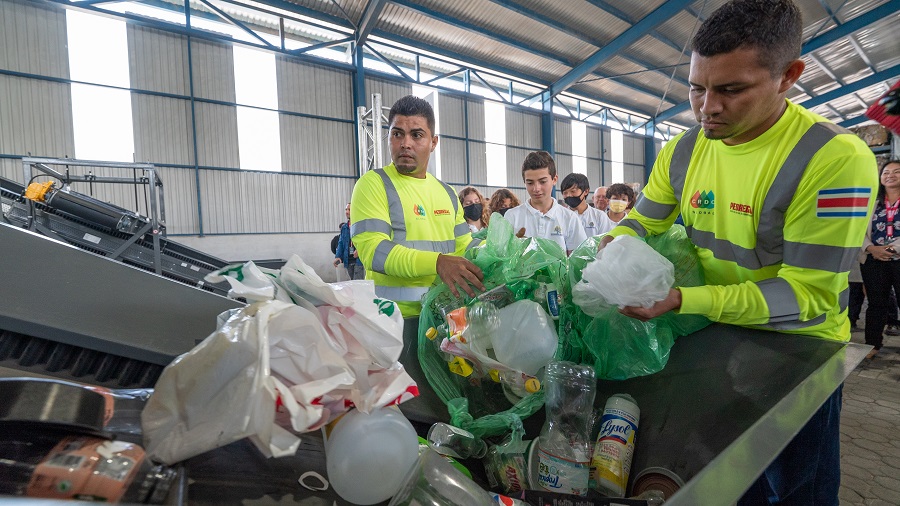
(162, 129)
(237, 202)
(453, 161)
(33, 38)
(390, 91)
(563, 167)
(213, 66)
(633, 149)
(35, 117)
(477, 163)
(562, 135)
(317, 146)
(452, 115)
(476, 119)
(313, 89)
(593, 142)
(217, 137)
(158, 60)
(523, 129)
(514, 159)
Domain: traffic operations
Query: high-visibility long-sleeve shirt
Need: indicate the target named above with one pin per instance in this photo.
(399, 225)
(776, 221)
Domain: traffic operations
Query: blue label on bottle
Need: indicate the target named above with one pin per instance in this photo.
(553, 302)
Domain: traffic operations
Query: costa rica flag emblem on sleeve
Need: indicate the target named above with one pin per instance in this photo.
(843, 202)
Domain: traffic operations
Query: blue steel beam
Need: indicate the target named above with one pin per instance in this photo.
(237, 23)
(368, 20)
(562, 27)
(622, 16)
(853, 87)
(862, 118)
(813, 44)
(628, 37)
(844, 30)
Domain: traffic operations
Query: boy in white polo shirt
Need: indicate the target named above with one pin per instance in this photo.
(575, 190)
(540, 215)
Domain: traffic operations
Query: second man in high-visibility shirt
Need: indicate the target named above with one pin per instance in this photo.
(408, 226)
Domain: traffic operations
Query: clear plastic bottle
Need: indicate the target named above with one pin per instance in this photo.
(455, 442)
(564, 446)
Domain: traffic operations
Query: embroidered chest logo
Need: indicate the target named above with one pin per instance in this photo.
(704, 202)
(741, 209)
(442, 212)
(557, 230)
(843, 202)
(418, 210)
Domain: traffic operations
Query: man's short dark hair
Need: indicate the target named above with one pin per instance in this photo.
(413, 106)
(579, 181)
(539, 160)
(621, 189)
(773, 27)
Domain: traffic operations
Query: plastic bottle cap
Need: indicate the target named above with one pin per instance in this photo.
(495, 375)
(460, 366)
(431, 333)
(532, 385)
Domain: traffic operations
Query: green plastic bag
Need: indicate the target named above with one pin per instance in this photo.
(479, 405)
(620, 347)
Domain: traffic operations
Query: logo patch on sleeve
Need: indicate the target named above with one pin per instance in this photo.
(843, 202)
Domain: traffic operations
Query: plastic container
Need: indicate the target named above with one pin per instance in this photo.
(367, 456)
(455, 442)
(615, 445)
(434, 482)
(564, 446)
(526, 339)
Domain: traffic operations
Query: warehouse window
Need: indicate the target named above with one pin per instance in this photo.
(579, 147)
(495, 142)
(101, 116)
(618, 155)
(256, 90)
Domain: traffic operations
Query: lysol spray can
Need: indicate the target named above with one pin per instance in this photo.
(611, 461)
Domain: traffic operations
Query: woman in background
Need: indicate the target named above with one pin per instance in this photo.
(503, 200)
(475, 208)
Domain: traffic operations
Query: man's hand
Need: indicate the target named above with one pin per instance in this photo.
(337, 261)
(672, 301)
(603, 242)
(459, 272)
(521, 233)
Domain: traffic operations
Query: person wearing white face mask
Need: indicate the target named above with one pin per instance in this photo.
(621, 199)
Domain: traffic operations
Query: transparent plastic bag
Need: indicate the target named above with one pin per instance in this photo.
(627, 272)
(620, 347)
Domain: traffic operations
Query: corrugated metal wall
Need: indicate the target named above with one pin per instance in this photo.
(453, 159)
(523, 129)
(34, 39)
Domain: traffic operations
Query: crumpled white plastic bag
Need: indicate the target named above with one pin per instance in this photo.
(275, 365)
(627, 272)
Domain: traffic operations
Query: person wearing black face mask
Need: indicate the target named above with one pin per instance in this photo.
(575, 191)
(473, 208)
(503, 200)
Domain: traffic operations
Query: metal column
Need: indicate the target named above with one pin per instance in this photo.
(371, 147)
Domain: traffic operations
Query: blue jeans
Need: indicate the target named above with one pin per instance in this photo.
(808, 470)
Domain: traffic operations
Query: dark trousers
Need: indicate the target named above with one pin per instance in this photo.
(857, 297)
(879, 278)
(808, 470)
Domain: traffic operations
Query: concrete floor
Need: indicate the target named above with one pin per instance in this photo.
(870, 429)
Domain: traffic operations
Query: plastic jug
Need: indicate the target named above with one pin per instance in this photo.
(526, 338)
(367, 456)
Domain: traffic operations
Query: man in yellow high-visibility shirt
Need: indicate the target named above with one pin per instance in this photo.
(408, 226)
(776, 200)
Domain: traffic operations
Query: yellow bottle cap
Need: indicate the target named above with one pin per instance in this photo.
(532, 385)
(495, 375)
(459, 366)
(431, 333)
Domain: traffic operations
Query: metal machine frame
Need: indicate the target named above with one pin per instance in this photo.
(369, 126)
(150, 180)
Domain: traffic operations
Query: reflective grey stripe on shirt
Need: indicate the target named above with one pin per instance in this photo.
(771, 248)
(780, 299)
(453, 197)
(652, 209)
(634, 225)
(770, 233)
(370, 225)
(401, 293)
(395, 207)
(461, 229)
(681, 158)
(474, 243)
(381, 253)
